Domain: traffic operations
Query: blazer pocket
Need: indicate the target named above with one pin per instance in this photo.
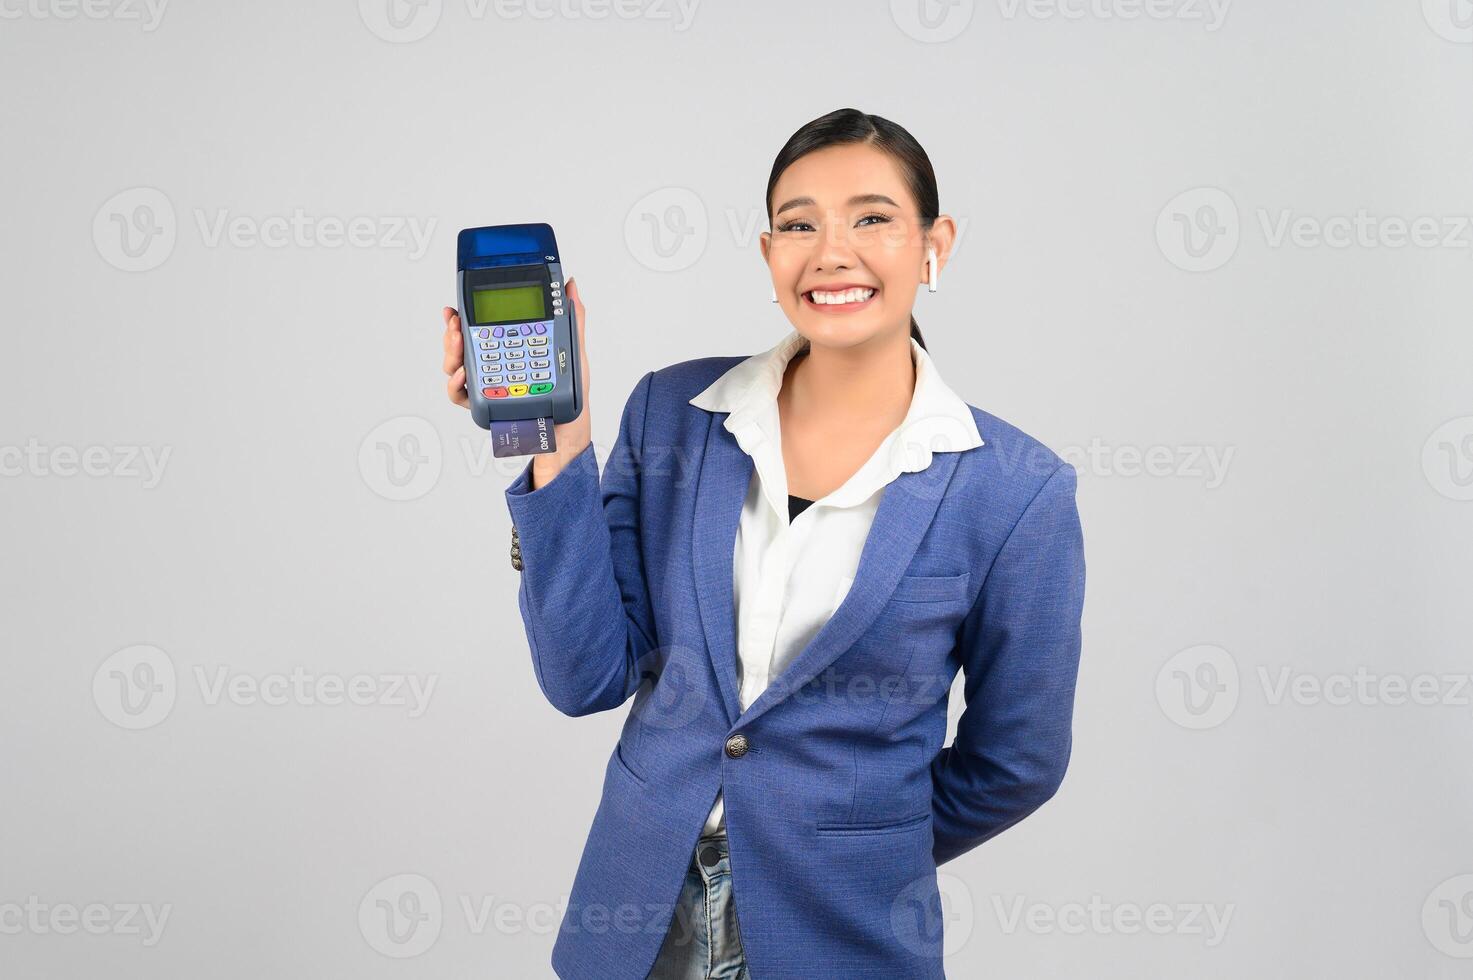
(865, 829)
(931, 588)
(622, 764)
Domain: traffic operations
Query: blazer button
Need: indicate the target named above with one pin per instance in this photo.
(736, 746)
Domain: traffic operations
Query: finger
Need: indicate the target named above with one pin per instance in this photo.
(577, 298)
(453, 342)
(455, 388)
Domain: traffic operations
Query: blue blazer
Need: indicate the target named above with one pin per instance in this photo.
(845, 801)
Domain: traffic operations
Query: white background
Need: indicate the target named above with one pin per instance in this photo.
(318, 505)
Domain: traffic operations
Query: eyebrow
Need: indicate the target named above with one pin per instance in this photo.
(799, 202)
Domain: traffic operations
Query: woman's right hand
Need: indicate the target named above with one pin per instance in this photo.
(572, 437)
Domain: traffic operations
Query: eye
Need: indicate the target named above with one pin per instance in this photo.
(864, 222)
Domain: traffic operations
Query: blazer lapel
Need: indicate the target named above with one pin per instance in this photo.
(904, 515)
(726, 473)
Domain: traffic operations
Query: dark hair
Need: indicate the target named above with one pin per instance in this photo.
(852, 126)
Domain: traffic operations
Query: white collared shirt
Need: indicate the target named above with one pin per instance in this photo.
(789, 578)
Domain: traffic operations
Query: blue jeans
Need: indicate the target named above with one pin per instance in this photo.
(703, 942)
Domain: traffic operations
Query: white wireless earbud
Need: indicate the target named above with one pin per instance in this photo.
(931, 270)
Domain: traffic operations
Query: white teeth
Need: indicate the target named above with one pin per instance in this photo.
(845, 296)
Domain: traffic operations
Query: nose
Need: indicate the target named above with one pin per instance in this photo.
(834, 249)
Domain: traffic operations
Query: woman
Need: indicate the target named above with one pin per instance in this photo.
(787, 561)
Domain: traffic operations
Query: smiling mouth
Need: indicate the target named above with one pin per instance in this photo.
(839, 301)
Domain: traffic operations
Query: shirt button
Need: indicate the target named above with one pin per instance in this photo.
(736, 746)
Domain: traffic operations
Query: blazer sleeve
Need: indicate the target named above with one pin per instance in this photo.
(583, 594)
(1019, 647)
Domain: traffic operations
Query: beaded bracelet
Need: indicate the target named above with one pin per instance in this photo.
(516, 549)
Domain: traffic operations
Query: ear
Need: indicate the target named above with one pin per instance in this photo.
(765, 241)
(943, 239)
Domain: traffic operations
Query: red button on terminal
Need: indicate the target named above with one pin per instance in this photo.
(494, 392)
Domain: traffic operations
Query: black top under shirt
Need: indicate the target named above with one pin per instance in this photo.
(796, 506)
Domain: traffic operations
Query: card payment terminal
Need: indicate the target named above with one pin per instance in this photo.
(521, 357)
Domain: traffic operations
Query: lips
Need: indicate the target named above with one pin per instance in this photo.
(829, 306)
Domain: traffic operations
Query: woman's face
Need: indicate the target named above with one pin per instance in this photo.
(845, 227)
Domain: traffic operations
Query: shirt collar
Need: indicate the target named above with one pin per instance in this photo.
(938, 421)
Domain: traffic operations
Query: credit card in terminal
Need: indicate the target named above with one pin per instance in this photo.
(523, 437)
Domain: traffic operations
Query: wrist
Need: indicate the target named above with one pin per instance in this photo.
(546, 466)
